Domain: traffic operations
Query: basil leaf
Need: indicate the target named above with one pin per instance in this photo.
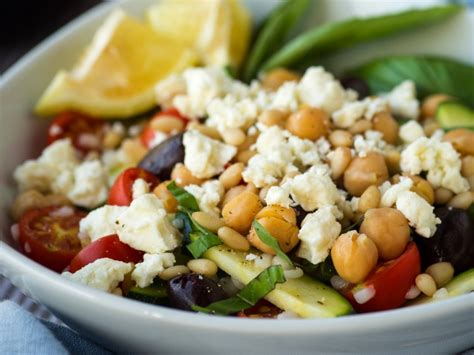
(254, 291)
(271, 241)
(272, 34)
(334, 36)
(187, 226)
(185, 199)
(322, 271)
(430, 74)
(201, 242)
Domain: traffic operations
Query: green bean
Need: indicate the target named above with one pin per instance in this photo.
(272, 34)
(338, 35)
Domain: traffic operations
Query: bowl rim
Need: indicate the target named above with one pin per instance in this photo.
(25, 266)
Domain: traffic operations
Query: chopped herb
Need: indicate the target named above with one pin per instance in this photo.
(271, 241)
(254, 291)
(201, 242)
(186, 200)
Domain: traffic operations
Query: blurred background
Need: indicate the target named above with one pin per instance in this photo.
(26, 23)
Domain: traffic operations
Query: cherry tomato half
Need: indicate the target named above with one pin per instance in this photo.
(121, 191)
(263, 309)
(391, 282)
(85, 132)
(105, 247)
(49, 235)
(148, 134)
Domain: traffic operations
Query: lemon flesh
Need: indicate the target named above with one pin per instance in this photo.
(116, 75)
(219, 30)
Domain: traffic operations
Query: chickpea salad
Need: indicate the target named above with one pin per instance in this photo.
(257, 183)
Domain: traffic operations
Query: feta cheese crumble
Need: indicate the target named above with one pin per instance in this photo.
(411, 131)
(139, 187)
(208, 195)
(103, 274)
(204, 156)
(319, 230)
(150, 267)
(371, 141)
(144, 226)
(101, 222)
(419, 213)
(402, 100)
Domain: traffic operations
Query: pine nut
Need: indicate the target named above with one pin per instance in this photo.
(183, 177)
(462, 200)
(205, 130)
(208, 221)
(249, 141)
(339, 160)
(233, 239)
(430, 126)
(360, 126)
(232, 175)
(272, 117)
(233, 136)
(245, 155)
(392, 159)
(467, 168)
(167, 124)
(369, 199)
(426, 284)
(293, 273)
(442, 195)
(204, 267)
(340, 138)
(173, 271)
(111, 139)
(441, 273)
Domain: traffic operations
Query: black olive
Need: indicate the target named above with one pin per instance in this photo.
(452, 242)
(356, 84)
(300, 214)
(162, 158)
(193, 289)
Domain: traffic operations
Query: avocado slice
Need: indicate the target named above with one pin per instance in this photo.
(460, 285)
(304, 296)
(452, 114)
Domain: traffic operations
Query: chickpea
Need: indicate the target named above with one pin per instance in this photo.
(183, 177)
(272, 117)
(354, 256)
(169, 201)
(430, 125)
(340, 138)
(431, 103)
(309, 123)
(387, 125)
(443, 195)
(231, 193)
(273, 79)
(423, 188)
(462, 140)
(369, 199)
(365, 171)
(467, 168)
(388, 229)
(360, 126)
(392, 159)
(239, 212)
(280, 222)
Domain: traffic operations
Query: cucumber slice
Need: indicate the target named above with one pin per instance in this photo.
(460, 285)
(304, 296)
(155, 293)
(452, 114)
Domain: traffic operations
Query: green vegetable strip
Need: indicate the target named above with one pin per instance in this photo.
(272, 34)
(254, 291)
(430, 74)
(338, 35)
(269, 240)
(185, 199)
(201, 242)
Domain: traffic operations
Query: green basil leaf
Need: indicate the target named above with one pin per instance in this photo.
(322, 271)
(272, 34)
(201, 242)
(254, 291)
(334, 36)
(185, 199)
(430, 74)
(187, 226)
(271, 241)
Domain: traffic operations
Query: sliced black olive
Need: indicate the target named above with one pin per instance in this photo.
(356, 84)
(161, 159)
(193, 289)
(452, 242)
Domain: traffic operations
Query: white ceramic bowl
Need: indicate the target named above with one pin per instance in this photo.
(127, 325)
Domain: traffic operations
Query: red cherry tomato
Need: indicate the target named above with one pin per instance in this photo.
(49, 235)
(105, 247)
(85, 132)
(148, 134)
(263, 309)
(391, 282)
(121, 191)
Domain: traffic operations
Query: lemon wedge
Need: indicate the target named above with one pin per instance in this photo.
(218, 29)
(116, 75)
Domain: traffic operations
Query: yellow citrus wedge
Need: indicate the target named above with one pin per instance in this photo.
(218, 29)
(116, 75)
